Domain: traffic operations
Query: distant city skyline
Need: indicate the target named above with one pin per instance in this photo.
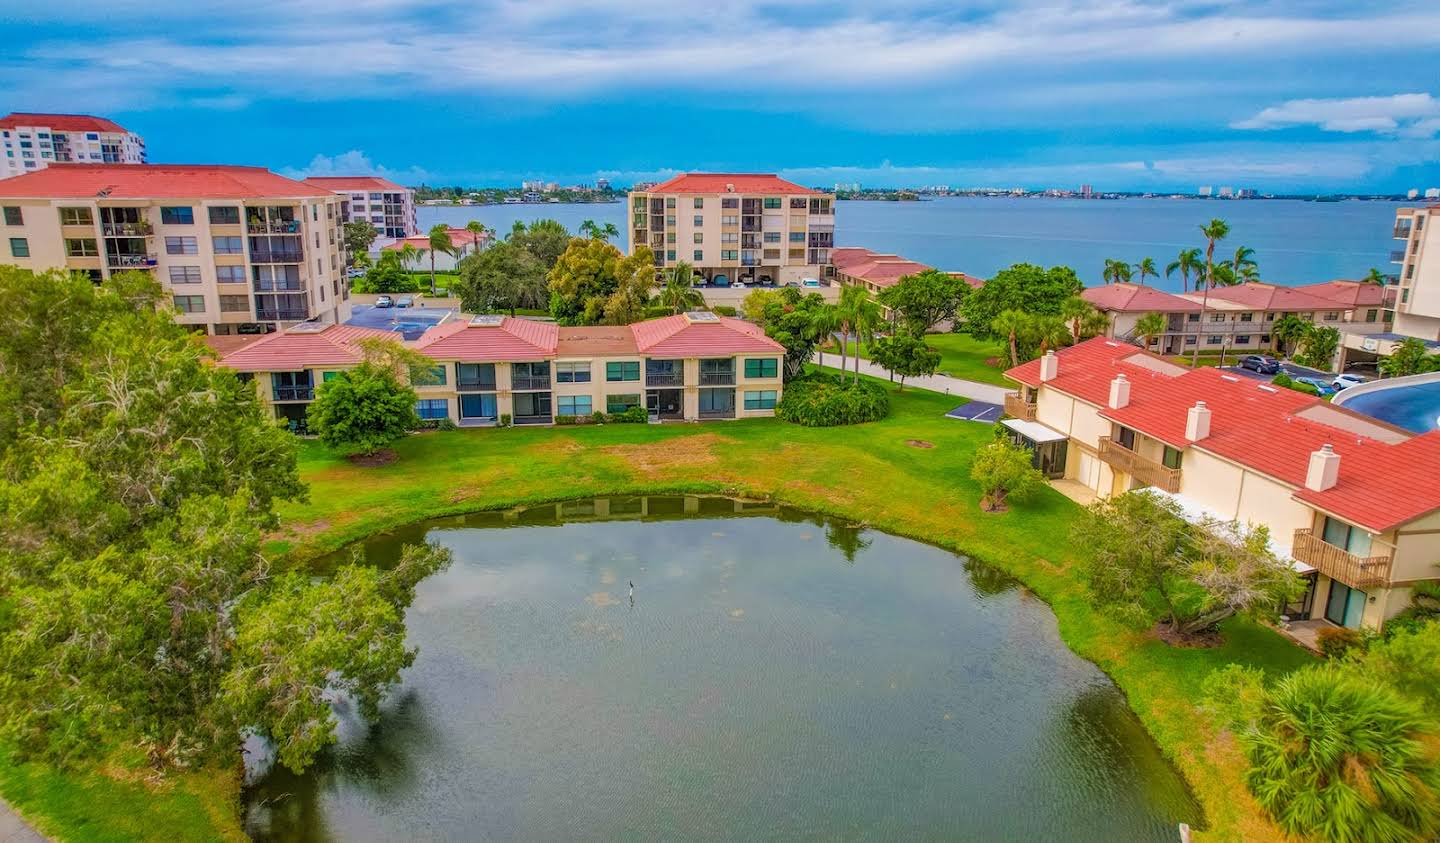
(1275, 95)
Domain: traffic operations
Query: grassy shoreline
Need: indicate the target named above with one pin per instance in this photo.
(870, 474)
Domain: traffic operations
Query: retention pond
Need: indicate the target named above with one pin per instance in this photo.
(777, 676)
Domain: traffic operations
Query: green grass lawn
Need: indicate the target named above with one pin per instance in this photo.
(871, 474)
(962, 356)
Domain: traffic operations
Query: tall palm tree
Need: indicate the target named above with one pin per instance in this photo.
(408, 253)
(679, 293)
(1213, 231)
(1150, 326)
(1288, 332)
(1146, 267)
(1244, 257)
(824, 322)
(1079, 314)
(439, 242)
(860, 315)
(1375, 277)
(1011, 324)
(481, 233)
(1248, 274)
(1185, 263)
(1046, 331)
(1116, 272)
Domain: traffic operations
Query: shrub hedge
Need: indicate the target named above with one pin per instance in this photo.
(824, 400)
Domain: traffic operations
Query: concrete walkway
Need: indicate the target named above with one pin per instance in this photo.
(935, 383)
(15, 830)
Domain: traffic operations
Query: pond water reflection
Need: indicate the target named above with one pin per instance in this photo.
(777, 676)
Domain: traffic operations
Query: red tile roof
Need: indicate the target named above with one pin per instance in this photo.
(155, 181)
(343, 183)
(303, 347)
(1259, 296)
(724, 182)
(843, 256)
(1352, 294)
(512, 339)
(1386, 475)
(61, 122)
(458, 237)
(685, 336)
(1136, 298)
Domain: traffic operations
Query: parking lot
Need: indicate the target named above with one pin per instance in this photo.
(409, 322)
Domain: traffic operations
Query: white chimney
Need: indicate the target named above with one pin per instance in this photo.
(1197, 422)
(1324, 469)
(1049, 366)
(1119, 392)
(729, 188)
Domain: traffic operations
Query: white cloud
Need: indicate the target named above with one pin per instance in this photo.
(1413, 115)
(354, 163)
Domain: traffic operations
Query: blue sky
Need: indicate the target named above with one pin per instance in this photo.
(1305, 95)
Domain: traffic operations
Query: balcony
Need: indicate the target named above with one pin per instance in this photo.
(525, 382)
(127, 229)
(664, 379)
(474, 386)
(276, 256)
(1145, 470)
(1340, 564)
(281, 314)
(1018, 407)
(1397, 256)
(717, 378)
(273, 226)
(1402, 232)
(129, 261)
(294, 393)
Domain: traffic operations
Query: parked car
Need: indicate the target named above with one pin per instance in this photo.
(1345, 381)
(384, 301)
(1321, 386)
(810, 282)
(1262, 363)
(739, 285)
(405, 301)
(354, 272)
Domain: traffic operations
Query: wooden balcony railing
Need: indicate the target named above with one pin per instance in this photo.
(1338, 563)
(1141, 468)
(1018, 407)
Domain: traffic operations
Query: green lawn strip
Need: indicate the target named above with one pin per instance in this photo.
(867, 474)
(91, 806)
(961, 356)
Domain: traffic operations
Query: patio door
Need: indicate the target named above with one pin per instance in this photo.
(1346, 605)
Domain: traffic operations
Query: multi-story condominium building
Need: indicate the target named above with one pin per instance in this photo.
(1417, 309)
(241, 249)
(745, 227)
(693, 366)
(35, 141)
(1351, 500)
(383, 203)
(1240, 317)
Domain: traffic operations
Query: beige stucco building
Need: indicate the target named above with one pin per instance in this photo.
(1351, 500)
(382, 203)
(746, 227)
(240, 249)
(1417, 308)
(32, 142)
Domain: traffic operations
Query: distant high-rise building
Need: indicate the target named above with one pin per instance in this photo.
(532, 184)
(1246, 193)
(602, 184)
(1205, 190)
(35, 141)
(1412, 193)
(1226, 192)
(1432, 193)
(1086, 191)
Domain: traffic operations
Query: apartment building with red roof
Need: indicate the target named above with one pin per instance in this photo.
(692, 366)
(463, 242)
(379, 201)
(33, 142)
(241, 250)
(1350, 500)
(751, 228)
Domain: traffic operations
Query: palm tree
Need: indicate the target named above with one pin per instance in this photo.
(1249, 274)
(1289, 330)
(1116, 272)
(1011, 324)
(1244, 257)
(1148, 327)
(1186, 262)
(596, 231)
(439, 242)
(824, 322)
(408, 253)
(1081, 316)
(1214, 231)
(478, 229)
(1146, 267)
(860, 315)
(1375, 277)
(1223, 275)
(679, 293)
(1046, 331)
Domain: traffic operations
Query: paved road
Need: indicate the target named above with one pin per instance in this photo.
(935, 383)
(15, 830)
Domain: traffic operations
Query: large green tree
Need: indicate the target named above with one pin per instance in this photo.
(388, 275)
(1005, 472)
(1317, 349)
(904, 355)
(799, 322)
(547, 240)
(1023, 287)
(593, 283)
(919, 301)
(502, 277)
(860, 317)
(359, 235)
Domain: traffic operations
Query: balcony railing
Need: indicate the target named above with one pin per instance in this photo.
(1338, 563)
(127, 229)
(1402, 232)
(728, 413)
(1018, 407)
(281, 314)
(525, 382)
(664, 379)
(130, 260)
(534, 419)
(475, 386)
(1145, 470)
(717, 378)
(268, 256)
(1397, 256)
(273, 227)
(294, 393)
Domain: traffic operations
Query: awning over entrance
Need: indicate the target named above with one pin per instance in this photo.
(1195, 512)
(1034, 431)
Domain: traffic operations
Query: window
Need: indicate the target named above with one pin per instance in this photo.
(699, 202)
(1242, 339)
(574, 405)
(13, 216)
(699, 238)
(81, 247)
(76, 216)
(797, 237)
(230, 274)
(1125, 437)
(623, 371)
(572, 372)
(1189, 340)
(1213, 340)
(1346, 537)
(234, 304)
(798, 203)
(670, 220)
(428, 375)
(729, 220)
(476, 376)
(224, 215)
(729, 237)
(532, 404)
(181, 246)
(669, 201)
(669, 254)
(729, 202)
(1265, 339)
(478, 406)
(772, 237)
(699, 220)
(190, 304)
(670, 237)
(1332, 315)
(1371, 315)
(699, 255)
(621, 403)
(762, 367)
(1270, 317)
(1194, 317)
(19, 247)
(1217, 317)
(1171, 458)
(761, 400)
(184, 275)
(772, 201)
(432, 408)
(717, 401)
(729, 255)
(1247, 317)
(326, 377)
(179, 215)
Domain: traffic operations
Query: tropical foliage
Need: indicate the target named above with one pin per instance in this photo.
(824, 400)
(365, 408)
(1187, 263)
(388, 275)
(503, 277)
(594, 283)
(918, 302)
(358, 235)
(1318, 347)
(1005, 472)
(799, 322)
(440, 243)
(904, 355)
(1213, 232)
(860, 317)
(1410, 357)
(679, 293)
(1023, 287)
(1116, 272)
(1149, 327)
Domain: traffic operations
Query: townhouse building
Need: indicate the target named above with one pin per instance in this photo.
(383, 203)
(876, 272)
(1351, 501)
(748, 227)
(693, 366)
(240, 249)
(35, 141)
